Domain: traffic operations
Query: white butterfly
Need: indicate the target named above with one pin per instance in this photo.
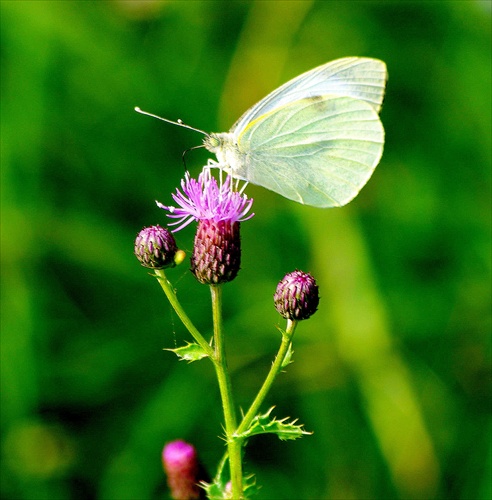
(316, 139)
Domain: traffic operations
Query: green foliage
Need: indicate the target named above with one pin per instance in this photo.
(288, 357)
(392, 373)
(218, 490)
(189, 352)
(264, 424)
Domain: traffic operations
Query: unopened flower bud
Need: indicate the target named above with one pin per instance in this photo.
(155, 247)
(182, 469)
(297, 296)
(217, 251)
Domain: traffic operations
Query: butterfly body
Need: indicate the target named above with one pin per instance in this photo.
(225, 147)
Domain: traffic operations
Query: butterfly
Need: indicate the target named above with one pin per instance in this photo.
(316, 139)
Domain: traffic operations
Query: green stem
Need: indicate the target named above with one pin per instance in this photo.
(218, 357)
(173, 299)
(274, 371)
(233, 445)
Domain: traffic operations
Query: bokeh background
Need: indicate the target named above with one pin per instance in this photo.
(393, 372)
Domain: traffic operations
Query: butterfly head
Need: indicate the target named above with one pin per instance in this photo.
(213, 142)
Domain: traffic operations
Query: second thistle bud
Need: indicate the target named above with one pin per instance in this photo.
(297, 296)
(182, 469)
(155, 247)
(216, 255)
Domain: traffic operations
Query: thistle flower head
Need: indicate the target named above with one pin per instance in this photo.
(296, 296)
(155, 247)
(219, 209)
(205, 199)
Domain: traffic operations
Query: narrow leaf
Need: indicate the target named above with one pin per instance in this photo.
(288, 357)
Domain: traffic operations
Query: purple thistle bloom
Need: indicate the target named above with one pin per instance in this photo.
(182, 468)
(204, 199)
(219, 210)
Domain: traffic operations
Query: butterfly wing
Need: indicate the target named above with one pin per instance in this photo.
(319, 151)
(358, 77)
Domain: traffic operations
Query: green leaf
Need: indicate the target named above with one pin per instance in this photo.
(249, 486)
(264, 424)
(220, 489)
(288, 357)
(281, 330)
(215, 490)
(190, 352)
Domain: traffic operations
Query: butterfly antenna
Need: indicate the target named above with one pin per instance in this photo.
(178, 122)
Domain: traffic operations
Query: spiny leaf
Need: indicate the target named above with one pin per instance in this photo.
(215, 490)
(249, 486)
(220, 489)
(264, 424)
(281, 330)
(190, 352)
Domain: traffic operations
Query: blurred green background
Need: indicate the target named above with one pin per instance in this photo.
(393, 372)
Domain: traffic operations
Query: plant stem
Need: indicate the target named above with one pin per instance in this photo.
(218, 357)
(233, 445)
(173, 299)
(274, 371)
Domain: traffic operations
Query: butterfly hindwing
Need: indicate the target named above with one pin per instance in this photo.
(318, 151)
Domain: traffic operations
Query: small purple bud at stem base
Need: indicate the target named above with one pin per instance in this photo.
(182, 468)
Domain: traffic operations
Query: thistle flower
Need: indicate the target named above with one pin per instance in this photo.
(182, 469)
(155, 247)
(296, 296)
(219, 210)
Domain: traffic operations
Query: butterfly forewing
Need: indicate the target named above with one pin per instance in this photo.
(357, 77)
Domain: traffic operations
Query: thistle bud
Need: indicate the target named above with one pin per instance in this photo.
(296, 296)
(181, 466)
(155, 247)
(217, 251)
